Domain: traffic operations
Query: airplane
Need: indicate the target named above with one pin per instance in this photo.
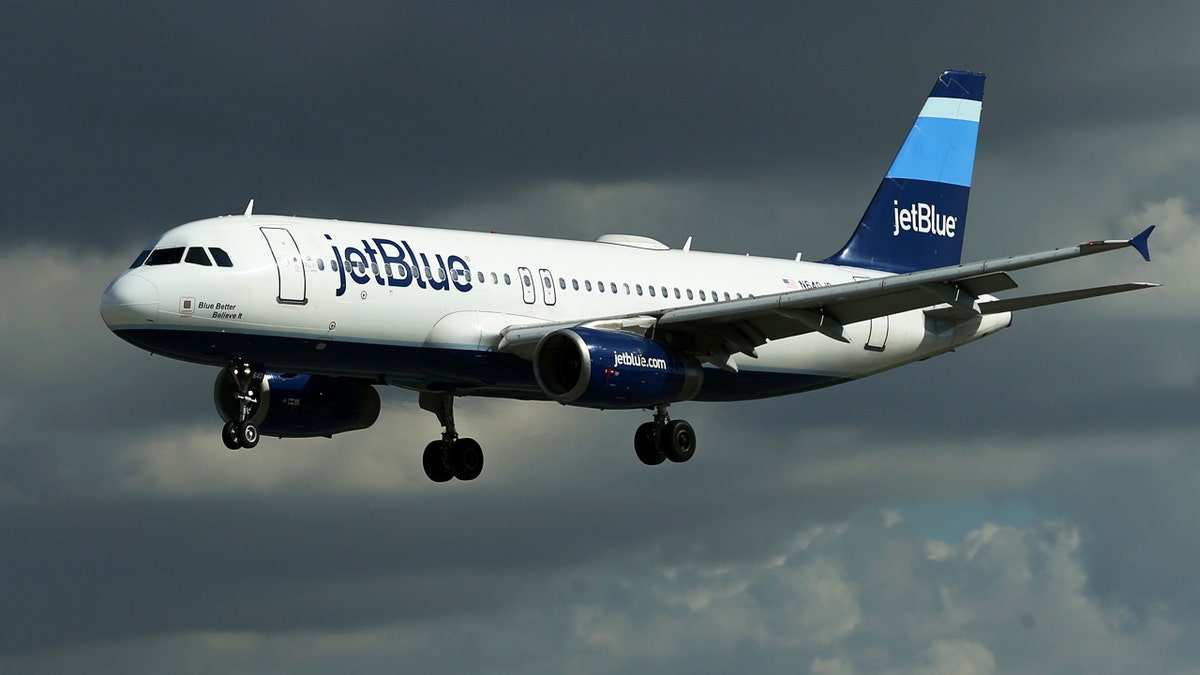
(306, 317)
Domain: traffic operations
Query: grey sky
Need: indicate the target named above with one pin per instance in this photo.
(134, 540)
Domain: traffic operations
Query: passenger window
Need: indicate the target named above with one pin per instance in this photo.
(507, 279)
(652, 291)
(220, 257)
(612, 286)
(375, 269)
(480, 277)
(333, 265)
(639, 289)
(702, 294)
(495, 279)
(562, 283)
(689, 294)
(739, 296)
(320, 265)
(600, 286)
(714, 296)
(527, 281)
(165, 256)
(626, 289)
(587, 284)
(664, 291)
(726, 295)
(137, 262)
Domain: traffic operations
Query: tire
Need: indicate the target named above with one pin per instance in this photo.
(229, 436)
(247, 433)
(466, 458)
(646, 445)
(680, 441)
(436, 461)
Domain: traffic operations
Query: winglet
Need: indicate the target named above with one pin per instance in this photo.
(1142, 242)
(249, 208)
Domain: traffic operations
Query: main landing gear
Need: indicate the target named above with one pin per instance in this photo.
(242, 433)
(450, 457)
(663, 439)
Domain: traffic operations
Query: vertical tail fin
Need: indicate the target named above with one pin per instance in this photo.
(918, 216)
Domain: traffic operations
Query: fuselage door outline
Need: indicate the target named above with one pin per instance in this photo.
(293, 289)
(528, 292)
(548, 295)
(877, 332)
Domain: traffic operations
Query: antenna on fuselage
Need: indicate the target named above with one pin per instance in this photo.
(687, 245)
(249, 208)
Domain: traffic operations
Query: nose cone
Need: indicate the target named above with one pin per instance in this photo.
(130, 300)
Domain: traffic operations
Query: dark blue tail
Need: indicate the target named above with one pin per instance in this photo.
(918, 216)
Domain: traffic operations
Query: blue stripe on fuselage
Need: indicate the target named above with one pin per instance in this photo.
(466, 371)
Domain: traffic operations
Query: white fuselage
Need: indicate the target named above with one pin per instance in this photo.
(424, 308)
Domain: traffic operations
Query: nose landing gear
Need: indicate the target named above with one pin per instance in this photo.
(241, 432)
(663, 439)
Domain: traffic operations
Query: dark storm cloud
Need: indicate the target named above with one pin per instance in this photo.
(128, 118)
(116, 568)
(124, 120)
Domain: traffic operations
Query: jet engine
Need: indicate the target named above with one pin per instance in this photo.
(609, 369)
(302, 406)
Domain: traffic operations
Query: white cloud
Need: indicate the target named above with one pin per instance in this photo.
(847, 600)
(957, 657)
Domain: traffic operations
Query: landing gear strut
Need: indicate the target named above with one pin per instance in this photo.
(450, 457)
(242, 433)
(663, 439)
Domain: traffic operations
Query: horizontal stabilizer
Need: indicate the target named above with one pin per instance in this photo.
(1030, 301)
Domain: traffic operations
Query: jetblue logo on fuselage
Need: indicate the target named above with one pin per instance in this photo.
(388, 263)
(924, 218)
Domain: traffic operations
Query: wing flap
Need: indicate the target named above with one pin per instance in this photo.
(987, 284)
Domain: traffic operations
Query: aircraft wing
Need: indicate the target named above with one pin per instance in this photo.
(714, 331)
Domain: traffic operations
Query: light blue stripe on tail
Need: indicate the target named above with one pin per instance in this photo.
(918, 215)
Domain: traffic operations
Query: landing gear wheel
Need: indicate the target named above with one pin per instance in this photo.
(247, 381)
(437, 462)
(466, 457)
(247, 433)
(646, 445)
(679, 441)
(229, 436)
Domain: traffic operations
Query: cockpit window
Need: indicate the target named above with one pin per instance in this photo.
(140, 259)
(220, 256)
(197, 256)
(165, 256)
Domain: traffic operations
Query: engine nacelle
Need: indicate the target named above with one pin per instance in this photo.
(302, 406)
(610, 369)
